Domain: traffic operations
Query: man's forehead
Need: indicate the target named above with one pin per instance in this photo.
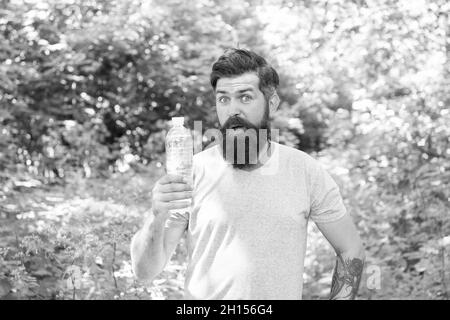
(245, 81)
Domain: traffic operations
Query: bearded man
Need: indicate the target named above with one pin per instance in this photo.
(249, 203)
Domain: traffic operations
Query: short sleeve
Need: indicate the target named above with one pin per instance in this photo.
(326, 201)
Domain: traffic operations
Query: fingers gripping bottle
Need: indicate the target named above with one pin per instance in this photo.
(179, 152)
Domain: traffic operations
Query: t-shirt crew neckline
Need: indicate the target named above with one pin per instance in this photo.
(265, 166)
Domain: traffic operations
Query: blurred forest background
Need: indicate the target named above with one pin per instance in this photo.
(87, 88)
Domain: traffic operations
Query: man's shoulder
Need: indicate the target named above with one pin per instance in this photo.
(299, 162)
(296, 156)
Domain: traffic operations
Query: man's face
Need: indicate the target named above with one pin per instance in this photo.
(240, 97)
(242, 111)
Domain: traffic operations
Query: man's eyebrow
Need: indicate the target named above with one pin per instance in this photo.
(221, 91)
(246, 89)
(239, 91)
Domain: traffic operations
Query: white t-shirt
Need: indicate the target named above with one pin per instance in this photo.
(246, 233)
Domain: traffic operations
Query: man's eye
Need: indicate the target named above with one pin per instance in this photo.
(246, 98)
(223, 99)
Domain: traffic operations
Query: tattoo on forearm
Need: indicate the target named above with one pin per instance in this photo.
(346, 277)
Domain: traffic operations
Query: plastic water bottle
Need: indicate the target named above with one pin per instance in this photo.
(179, 152)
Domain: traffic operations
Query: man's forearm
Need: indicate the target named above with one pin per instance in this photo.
(148, 256)
(347, 276)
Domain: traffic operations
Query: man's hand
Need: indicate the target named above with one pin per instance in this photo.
(168, 189)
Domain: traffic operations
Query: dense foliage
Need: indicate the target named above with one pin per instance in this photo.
(87, 87)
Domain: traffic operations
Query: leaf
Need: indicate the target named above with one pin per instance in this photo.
(42, 273)
(5, 287)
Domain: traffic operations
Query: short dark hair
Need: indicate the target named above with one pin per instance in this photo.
(235, 62)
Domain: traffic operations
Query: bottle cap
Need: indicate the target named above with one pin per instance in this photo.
(177, 121)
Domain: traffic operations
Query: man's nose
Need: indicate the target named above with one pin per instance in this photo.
(234, 109)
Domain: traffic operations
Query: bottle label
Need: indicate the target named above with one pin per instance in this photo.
(179, 153)
(179, 156)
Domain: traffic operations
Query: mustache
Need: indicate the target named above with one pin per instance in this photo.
(236, 121)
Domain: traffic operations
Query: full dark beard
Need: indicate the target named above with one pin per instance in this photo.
(242, 150)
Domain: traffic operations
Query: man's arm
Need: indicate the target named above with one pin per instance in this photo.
(344, 238)
(152, 247)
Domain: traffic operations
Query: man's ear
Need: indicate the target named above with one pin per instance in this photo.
(274, 102)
